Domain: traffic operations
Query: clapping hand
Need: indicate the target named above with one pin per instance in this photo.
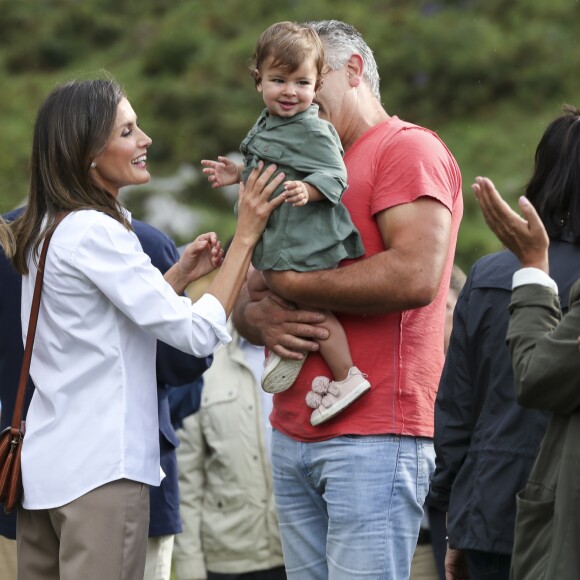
(525, 236)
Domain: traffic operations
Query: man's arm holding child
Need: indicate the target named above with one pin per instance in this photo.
(407, 274)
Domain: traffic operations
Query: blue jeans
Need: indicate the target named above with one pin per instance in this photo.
(350, 507)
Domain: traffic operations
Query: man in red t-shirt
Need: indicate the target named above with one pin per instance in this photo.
(350, 492)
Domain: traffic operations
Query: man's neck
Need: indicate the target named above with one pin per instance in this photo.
(364, 119)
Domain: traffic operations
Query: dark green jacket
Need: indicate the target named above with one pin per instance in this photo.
(546, 363)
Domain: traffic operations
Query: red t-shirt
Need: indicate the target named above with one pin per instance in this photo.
(402, 352)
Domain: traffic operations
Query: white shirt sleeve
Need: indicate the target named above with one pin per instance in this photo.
(112, 258)
(533, 276)
(210, 308)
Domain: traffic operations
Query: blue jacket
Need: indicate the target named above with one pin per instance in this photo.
(485, 442)
(173, 368)
(11, 353)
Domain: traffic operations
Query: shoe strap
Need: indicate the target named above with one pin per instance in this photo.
(333, 389)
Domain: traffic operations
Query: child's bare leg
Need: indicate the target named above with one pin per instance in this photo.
(331, 397)
(335, 349)
(280, 374)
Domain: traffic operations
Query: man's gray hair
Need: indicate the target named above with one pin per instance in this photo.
(341, 40)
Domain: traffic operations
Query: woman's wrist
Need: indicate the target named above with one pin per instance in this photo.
(177, 278)
(541, 262)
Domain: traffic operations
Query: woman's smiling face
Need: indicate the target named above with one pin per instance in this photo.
(123, 160)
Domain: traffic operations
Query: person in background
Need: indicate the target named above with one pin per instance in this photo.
(230, 530)
(456, 283)
(429, 557)
(350, 492)
(546, 359)
(172, 366)
(313, 229)
(11, 354)
(184, 401)
(92, 442)
(486, 442)
(178, 369)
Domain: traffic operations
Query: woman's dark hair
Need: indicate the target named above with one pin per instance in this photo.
(73, 125)
(554, 188)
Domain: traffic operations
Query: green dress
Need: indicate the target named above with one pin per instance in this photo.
(319, 234)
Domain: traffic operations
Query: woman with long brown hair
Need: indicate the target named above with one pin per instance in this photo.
(91, 447)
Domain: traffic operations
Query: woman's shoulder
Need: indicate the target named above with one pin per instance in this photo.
(86, 224)
(94, 217)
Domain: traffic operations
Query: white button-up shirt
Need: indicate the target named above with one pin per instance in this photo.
(93, 417)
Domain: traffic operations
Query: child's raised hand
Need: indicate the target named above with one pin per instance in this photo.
(221, 172)
(297, 193)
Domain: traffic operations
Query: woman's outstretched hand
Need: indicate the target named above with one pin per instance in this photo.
(525, 236)
(254, 209)
(201, 256)
(254, 203)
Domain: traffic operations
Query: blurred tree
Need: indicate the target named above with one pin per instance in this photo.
(487, 75)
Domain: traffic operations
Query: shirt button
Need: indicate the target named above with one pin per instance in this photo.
(267, 148)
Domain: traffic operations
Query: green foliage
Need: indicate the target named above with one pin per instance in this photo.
(487, 75)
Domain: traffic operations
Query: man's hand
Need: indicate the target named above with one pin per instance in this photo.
(455, 565)
(277, 324)
(221, 172)
(526, 237)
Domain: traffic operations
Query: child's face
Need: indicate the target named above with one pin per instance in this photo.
(286, 94)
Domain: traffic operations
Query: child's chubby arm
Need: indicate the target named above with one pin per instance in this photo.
(222, 172)
(300, 193)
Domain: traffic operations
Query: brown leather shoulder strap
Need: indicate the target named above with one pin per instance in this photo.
(17, 417)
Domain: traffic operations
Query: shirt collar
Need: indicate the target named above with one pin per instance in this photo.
(127, 214)
(273, 121)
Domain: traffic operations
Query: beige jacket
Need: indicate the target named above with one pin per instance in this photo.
(227, 502)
